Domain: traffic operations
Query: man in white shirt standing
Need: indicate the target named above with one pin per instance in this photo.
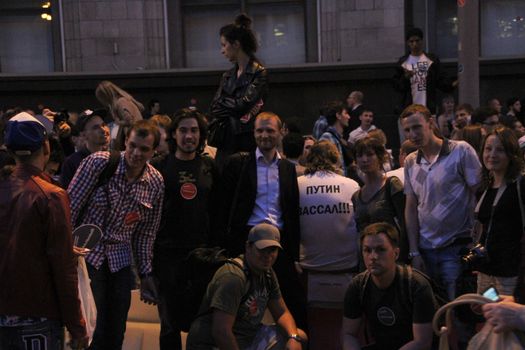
(367, 118)
(419, 74)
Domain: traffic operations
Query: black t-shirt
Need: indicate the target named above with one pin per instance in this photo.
(187, 208)
(390, 312)
(503, 244)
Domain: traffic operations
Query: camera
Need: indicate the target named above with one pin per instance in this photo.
(475, 257)
(61, 117)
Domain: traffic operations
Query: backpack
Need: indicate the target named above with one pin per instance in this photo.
(200, 266)
(406, 275)
(103, 179)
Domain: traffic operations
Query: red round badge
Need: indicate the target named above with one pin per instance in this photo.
(188, 190)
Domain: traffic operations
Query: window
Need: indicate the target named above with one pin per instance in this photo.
(502, 28)
(26, 34)
(279, 26)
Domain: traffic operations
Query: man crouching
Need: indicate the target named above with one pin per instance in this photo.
(234, 304)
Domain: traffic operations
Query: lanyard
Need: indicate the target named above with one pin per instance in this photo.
(501, 189)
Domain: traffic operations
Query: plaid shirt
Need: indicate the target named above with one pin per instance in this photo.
(128, 213)
(320, 127)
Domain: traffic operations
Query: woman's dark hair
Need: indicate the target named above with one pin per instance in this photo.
(512, 149)
(186, 113)
(371, 144)
(241, 31)
(471, 134)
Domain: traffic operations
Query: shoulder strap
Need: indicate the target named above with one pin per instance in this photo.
(104, 177)
(520, 200)
(388, 189)
(240, 264)
(364, 283)
(109, 169)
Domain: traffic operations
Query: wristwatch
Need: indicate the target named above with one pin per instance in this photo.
(295, 337)
(412, 255)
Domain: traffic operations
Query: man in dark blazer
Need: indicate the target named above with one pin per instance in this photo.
(260, 187)
(355, 108)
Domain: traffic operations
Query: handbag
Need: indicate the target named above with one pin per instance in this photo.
(218, 132)
(484, 339)
(87, 302)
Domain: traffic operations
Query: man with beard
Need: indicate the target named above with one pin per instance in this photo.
(190, 179)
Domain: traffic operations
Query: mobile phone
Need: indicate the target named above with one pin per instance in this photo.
(491, 293)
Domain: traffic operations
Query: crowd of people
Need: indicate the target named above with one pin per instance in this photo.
(329, 232)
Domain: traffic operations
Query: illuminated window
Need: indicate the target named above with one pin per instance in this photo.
(279, 26)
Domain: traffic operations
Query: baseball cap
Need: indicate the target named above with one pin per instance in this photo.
(264, 236)
(24, 134)
(87, 115)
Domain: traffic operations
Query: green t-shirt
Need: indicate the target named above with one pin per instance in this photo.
(233, 292)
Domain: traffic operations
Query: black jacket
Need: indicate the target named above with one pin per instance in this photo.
(244, 205)
(436, 80)
(237, 96)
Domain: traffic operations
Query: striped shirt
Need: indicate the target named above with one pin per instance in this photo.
(128, 213)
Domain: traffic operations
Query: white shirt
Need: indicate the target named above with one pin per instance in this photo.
(267, 207)
(329, 239)
(359, 134)
(418, 82)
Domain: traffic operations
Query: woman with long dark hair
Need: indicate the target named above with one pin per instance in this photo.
(381, 198)
(498, 210)
(242, 90)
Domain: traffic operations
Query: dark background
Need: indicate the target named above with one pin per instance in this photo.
(296, 93)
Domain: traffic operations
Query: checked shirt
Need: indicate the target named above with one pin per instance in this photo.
(128, 213)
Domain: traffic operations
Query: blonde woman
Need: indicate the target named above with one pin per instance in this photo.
(124, 109)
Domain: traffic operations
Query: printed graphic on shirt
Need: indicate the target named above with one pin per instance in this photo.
(386, 316)
(188, 189)
(255, 305)
(318, 209)
(419, 79)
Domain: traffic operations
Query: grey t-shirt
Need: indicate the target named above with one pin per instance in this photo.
(233, 292)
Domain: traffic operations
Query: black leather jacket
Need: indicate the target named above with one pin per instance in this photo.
(236, 96)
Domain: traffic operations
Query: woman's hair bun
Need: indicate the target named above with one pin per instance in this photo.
(243, 20)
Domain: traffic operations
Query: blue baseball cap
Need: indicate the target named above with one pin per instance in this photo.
(24, 134)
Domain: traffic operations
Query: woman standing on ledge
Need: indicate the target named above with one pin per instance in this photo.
(242, 89)
(124, 109)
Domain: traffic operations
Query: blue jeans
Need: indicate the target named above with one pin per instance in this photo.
(443, 265)
(112, 294)
(42, 335)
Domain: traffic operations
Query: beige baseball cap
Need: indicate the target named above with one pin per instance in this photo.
(264, 236)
